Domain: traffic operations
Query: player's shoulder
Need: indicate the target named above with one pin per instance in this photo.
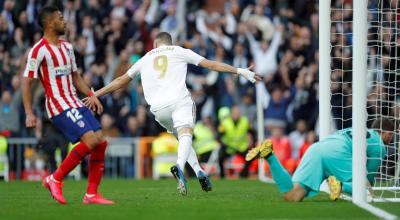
(66, 43)
(39, 44)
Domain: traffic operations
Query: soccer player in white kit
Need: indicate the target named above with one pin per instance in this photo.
(163, 73)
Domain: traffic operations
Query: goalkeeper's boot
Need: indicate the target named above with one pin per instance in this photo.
(335, 188)
(261, 151)
(55, 189)
(204, 181)
(180, 179)
(96, 199)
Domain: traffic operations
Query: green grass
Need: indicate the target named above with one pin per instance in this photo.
(147, 199)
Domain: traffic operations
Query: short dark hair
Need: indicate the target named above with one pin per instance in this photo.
(45, 13)
(164, 37)
(383, 124)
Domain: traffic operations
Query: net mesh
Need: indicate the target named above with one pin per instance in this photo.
(383, 46)
(382, 79)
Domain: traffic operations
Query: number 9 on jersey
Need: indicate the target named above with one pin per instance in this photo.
(160, 64)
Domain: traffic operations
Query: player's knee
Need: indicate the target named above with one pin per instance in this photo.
(91, 140)
(291, 197)
(297, 194)
(185, 131)
(100, 136)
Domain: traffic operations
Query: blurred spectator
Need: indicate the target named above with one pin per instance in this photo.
(9, 113)
(297, 137)
(118, 105)
(233, 135)
(205, 140)
(132, 127)
(265, 53)
(282, 148)
(276, 112)
(248, 108)
(311, 138)
(108, 126)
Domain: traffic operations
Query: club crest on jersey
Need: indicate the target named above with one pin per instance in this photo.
(32, 64)
(62, 70)
(69, 53)
(81, 124)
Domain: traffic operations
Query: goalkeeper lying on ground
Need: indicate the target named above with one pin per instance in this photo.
(329, 158)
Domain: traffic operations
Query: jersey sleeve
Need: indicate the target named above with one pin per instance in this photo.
(135, 68)
(33, 64)
(191, 57)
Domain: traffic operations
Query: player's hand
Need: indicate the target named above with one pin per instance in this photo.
(30, 121)
(98, 105)
(93, 103)
(248, 74)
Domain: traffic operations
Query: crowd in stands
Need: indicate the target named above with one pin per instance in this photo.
(280, 38)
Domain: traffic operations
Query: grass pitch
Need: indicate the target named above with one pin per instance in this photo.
(148, 199)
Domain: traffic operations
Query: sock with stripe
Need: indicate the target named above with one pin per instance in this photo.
(194, 162)
(279, 174)
(185, 143)
(96, 167)
(71, 161)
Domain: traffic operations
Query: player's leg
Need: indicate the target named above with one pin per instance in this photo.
(186, 147)
(183, 116)
(202, 176)
(75, 129)
(338, 166)
(280, 175)
(96, 164)
(278, 172)
(296, 194)
(164, 118)
(185, 137)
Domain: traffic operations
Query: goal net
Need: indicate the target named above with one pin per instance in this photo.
(382, 87)
(381, 83)
(383, 97)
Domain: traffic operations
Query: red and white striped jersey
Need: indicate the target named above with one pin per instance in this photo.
(54, 67)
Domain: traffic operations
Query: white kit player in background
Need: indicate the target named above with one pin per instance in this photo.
(163, 73)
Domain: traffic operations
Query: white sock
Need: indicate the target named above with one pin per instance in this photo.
(194, 163)
(185, 144)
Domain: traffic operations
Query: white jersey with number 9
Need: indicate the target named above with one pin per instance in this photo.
(163, 74)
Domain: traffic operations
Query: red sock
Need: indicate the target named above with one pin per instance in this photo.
(71, 161)
(96, 167)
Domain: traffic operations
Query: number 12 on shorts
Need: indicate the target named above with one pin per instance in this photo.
(74, 115)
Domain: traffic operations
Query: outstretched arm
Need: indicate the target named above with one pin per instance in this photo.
(223, 67)
(93, 102)
(114, 85)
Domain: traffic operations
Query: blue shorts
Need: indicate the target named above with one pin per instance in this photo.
(75, 122)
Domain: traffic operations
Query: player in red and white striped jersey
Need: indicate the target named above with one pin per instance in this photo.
(54, 66)
(52, 61)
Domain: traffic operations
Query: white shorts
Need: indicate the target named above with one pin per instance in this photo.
(179, 115)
